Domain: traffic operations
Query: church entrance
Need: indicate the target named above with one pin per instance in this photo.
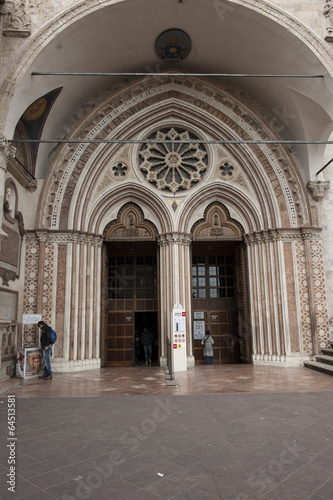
(131, 291)
(215, 300)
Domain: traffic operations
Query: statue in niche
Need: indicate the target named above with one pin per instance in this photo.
(8, 196)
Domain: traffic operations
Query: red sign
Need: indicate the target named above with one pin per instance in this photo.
(175, 346)
(183, 314)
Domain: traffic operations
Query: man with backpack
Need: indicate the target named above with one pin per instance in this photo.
(46, 341)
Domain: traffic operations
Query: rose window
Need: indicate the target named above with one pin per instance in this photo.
(173, 166)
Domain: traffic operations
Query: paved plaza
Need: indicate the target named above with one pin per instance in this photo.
(238, 432)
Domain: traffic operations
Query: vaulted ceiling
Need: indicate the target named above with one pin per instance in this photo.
(227, 37)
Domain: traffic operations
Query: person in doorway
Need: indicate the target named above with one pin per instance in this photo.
(45, 342)
(147, 340)
(208, 348)
(137, 346)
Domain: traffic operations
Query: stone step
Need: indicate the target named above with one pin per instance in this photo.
(321, 367)
(328, 351)
(322, 358)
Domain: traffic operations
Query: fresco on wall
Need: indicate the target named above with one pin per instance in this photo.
(30, 126)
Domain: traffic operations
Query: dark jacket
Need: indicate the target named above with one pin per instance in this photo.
(45, 338)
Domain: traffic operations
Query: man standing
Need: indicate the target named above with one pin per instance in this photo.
(147, 340)
(45, 342)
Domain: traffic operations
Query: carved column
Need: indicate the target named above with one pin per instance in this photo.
(269, 320)
(7, 151)
(175, 284)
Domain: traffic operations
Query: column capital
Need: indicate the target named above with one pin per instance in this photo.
(174, 238)
(317, 189)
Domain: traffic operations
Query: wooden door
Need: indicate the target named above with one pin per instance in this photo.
(214, 296)
(131, 287)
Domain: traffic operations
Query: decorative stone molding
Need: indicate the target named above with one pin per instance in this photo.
(328, 13)
(17, 21)
(7, 275)
(172, 238)
(32, 186)
(65, 237)
(282, 234)
(273, 165)
(217, 225)
(130, 225)
(8, 345)
(173, 167)
(317, 188)
(7, 151)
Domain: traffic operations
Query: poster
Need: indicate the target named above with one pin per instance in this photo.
(33, 362)
(198, 329)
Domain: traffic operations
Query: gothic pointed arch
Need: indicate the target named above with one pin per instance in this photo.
(217, 225)
(130, 225)
(82, 177)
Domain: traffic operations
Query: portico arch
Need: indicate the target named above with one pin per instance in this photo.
(255, 191)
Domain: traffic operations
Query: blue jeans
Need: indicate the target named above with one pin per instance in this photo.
(148, 351)
(209, 360)
(46, 359)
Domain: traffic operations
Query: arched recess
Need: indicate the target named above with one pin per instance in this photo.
(70, 15)
(130, 224)
(219, 258)
(265, 195)
(71, 197)
(130, 290)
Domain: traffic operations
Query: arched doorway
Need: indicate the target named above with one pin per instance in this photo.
(130, 286)
(218, 294)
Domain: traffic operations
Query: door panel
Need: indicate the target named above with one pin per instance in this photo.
(214, 295)
(131, 287)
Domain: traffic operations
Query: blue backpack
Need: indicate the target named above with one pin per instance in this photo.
(53, 336)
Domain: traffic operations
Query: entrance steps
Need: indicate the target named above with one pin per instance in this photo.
(323, 362)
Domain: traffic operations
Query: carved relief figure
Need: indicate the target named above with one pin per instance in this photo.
(328, 13)
(17, 18)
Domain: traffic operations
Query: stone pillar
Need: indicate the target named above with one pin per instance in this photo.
(175, 286)
(287, 291)
(68, 294)
(7, 151)
(269, 317)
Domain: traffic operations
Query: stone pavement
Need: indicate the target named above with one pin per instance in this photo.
(238, 432)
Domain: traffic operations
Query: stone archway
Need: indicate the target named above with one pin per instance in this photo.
(262, 193)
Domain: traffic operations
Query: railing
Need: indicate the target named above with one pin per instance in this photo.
(169, 373)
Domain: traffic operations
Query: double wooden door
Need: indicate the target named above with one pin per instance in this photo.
(214, 301)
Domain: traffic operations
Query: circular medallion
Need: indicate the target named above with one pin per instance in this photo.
(173, 46)
(36, 109)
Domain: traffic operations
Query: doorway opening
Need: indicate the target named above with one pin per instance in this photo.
(131, 292)
(148, 320)
(216, 304)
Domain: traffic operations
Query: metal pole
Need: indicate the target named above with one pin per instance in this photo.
(224, 75)
(152, 141)
(323, 168)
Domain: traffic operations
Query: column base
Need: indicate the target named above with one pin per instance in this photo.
(286, 361)
(59, 365)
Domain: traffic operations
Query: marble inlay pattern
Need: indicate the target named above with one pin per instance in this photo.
(319, 283)
(303, 298)
(30, 288)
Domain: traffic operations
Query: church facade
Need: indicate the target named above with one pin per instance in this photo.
(167, 168)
